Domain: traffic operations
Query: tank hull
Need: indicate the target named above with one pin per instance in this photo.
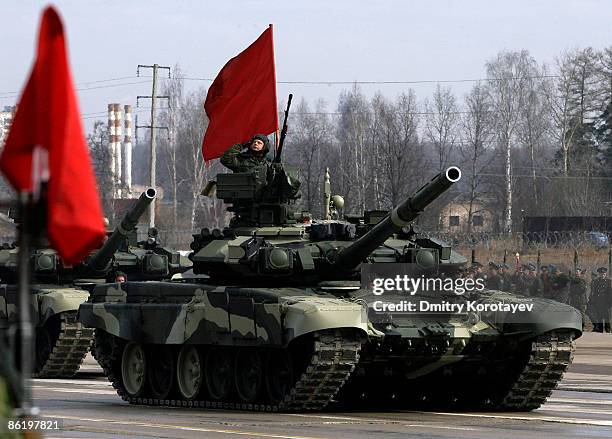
(337, 353)
(61, 341)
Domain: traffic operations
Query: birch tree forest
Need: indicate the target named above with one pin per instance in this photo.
(531, 139)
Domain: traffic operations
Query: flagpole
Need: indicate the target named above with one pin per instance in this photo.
(24, 303)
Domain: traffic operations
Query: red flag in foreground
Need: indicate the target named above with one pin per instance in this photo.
(48, 117)
(241, 101)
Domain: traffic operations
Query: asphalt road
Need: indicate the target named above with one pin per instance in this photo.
(582, 407)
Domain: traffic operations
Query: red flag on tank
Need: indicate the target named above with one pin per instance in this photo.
(241, 101)
(48, 118)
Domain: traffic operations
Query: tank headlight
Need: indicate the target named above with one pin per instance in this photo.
(156, 264)
(45, 263)
(279, 258)
(425, 259)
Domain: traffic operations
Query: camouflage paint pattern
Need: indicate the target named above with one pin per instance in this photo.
(46, 301)
(204, 314)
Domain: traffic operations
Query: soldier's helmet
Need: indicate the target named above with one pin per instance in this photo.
(265, 141)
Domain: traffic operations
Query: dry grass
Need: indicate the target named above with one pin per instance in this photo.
(588, 257)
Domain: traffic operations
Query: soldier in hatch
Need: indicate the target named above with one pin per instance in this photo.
(243, 157)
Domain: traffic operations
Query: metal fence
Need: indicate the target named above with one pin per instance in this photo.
(567, 250)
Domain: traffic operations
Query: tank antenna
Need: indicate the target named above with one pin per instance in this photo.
(279, 150)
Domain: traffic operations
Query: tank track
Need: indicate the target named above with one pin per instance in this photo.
(523, 385)
(334, 358)
(551, 354)
(69, 349)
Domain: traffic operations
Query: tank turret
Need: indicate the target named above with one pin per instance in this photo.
(322, 250)
(102, 257)
(264, 196)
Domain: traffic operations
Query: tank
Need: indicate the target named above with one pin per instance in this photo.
(57, 290)
(283, 317)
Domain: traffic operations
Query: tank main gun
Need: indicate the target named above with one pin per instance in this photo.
(100, 259)
(351, 256)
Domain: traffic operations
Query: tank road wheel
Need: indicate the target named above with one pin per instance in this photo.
(279, 375)
(248, 374)
(133, 369)
(44, 346)
(189, 372)
(160, 372)
(218, 371)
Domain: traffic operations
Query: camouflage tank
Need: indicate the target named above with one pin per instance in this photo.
(282, 321)
(61, 341)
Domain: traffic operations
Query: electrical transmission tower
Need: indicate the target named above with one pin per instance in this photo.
(153, 127)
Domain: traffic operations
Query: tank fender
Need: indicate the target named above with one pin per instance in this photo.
(56, 301)
(308, 314)
(546, 316)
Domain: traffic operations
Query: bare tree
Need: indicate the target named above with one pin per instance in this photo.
(477, 133)
(352, 134)
(191, 125)
(403, 153)
(508, 76)
(441, 123)
(534, 124)
(174, 89)
(309, 141)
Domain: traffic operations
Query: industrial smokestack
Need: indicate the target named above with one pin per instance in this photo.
(127, 150)
(112, 139)
(117, 149)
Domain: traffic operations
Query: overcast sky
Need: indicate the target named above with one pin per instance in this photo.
(315, 40)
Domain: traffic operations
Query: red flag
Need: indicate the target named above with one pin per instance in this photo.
(48, 117)
(241, 101)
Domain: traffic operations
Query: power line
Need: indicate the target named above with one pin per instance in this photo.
(423, 81)
(16, 94)
(95, 81)
(551, 177)
(11, 94)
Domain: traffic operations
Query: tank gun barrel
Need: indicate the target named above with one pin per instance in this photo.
(100, 259)
(400, 216)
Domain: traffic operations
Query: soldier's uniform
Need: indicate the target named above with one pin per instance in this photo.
(578, 293)
(520, 281)
(600, 304)
(546, 281)
(535, 286)
(506, 278)
(494, 281)
(558, 285)
(240, 158)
